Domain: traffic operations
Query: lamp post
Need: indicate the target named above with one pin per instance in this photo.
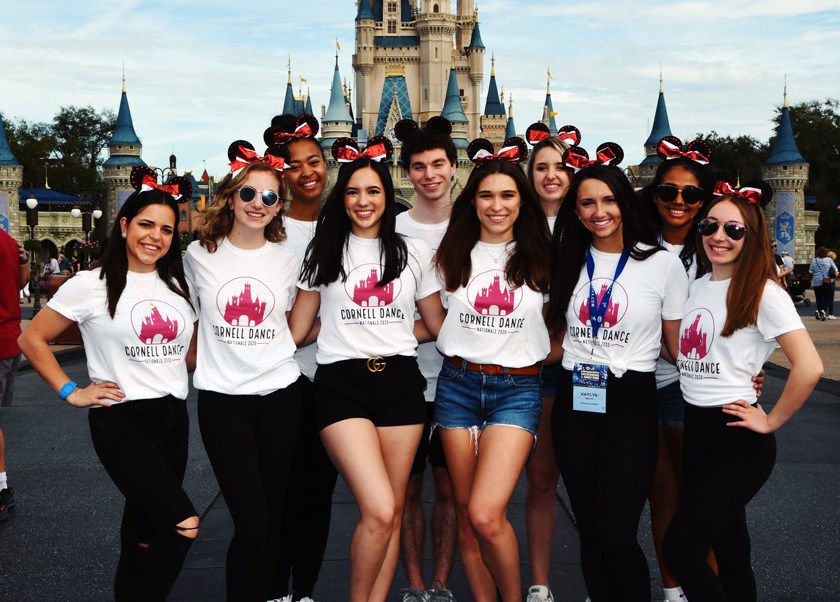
(35, 273)
(87, 226)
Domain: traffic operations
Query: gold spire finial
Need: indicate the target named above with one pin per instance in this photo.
(738, 179)
(510, 105)
(493, 65)
(502, 99)
(123, 77)
(661, 88)
(785, 97)
(548, 79)
(290, 68)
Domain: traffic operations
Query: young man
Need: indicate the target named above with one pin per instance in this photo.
(429, 158)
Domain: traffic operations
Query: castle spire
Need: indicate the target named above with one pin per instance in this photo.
(124, 131)
(493, 106)
(452, 108)
(7, 157)
(289, 105)
(510, 128)
(785, 151)
(785, 95)
(548, 106)
(337, 110)
(661, 126)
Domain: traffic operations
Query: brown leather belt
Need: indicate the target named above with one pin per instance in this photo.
(531, 370)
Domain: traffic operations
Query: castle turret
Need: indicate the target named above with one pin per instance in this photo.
(661, 128)
(548, 107)
(475, 56)
(510, 128)
(786, 170)
(435, 25)
(11, 178)
(467, 22)
(125, 152)
(289, 103)
(494, 120)
(454, 112)
(363, 59)
(337, 121)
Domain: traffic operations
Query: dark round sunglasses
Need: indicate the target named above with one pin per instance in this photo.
(733, 230)
(269, 198)
(690, 194)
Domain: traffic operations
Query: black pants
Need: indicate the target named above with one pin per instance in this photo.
(823, 295)
(250, 441)
(724, 468)
(608, 462)
(143, 446)
(306, 519)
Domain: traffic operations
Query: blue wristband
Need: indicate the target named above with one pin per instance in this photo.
(67, 390)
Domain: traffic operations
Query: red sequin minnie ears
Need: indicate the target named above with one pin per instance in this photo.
(143, 178)
(379, 149)
(242, 153)
(671, 147)
(306, 126)
(513, 150)
(537, 132)
(758, 194)
(609, 153)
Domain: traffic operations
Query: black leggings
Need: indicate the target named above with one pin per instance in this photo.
(724, 468)
(608, 462)
(306, 518)
(143, 446)
(250, 441)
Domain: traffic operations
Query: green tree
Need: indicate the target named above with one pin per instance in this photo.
(740, 157)
(31, 143)
(82, 133)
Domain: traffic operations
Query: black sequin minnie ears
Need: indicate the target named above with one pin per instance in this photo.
(306, 126)
(671, 147)
(513, 149)
(143, 178)
(406, 129)
(609, 153)
(379, 149)
(537, 132)
(756, 193)
(242, 153)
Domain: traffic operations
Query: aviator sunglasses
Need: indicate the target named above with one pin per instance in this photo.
(690, 194)
(269, 198)
(733, 230)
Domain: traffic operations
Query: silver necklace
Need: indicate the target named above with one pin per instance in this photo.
(142, 292)
(496, 258)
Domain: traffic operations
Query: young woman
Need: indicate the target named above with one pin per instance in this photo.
(550, 179)
(249, 403)
(306, 519)
(366, 280)
(734, 318)
(614, 293)
(682, 184)
(493, 261)
(136, 321)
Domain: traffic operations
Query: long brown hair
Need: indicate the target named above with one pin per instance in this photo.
(527, 264)
(218, 217)
(754, 266)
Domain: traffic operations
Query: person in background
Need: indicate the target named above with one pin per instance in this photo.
(823, 272)
(14, 276)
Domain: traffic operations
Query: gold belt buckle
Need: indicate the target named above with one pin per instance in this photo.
(376, 364)
(481, 369)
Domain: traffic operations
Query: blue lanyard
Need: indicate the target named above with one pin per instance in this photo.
(597, 311)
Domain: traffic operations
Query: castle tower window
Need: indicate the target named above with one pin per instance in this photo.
(436, 9)
(436, 53)
(392, 7)
(392, 27)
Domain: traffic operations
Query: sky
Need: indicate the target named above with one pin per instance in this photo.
(201, 75)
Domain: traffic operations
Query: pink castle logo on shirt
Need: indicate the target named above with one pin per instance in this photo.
(616, 308)
(697, 336)
(156, 322)
(365, 292)
(491, 295)
(244, 302)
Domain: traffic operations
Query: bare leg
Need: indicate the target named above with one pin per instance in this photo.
(413, 532)
(541, 498)
(444, 527)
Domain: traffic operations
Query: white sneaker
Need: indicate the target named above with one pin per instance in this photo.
(830, 317)
(539, 593)
(306, 599)
(409, 594)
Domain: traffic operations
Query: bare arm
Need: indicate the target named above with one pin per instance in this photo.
(192, 351)
(806, 370)
(555, 355)
(671, 339)
(302, 323)
(34, 343)
(433, 314)
(23, 268)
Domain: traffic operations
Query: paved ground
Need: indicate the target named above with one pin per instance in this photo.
(62, 539)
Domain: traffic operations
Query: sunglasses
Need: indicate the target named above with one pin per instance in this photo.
(690, 194)
(733, 230)
(269, 198)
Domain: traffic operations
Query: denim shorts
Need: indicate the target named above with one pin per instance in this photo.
(671, 406)
(471, 400)
(550, 376)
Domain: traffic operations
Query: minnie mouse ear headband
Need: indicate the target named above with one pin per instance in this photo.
(379, 149)
(143, 179)
(279, 132)
(514, 150)
(242, 153)
(671, 147)
(609, 153)
(537, 132)
(406, 129)
(756, 193)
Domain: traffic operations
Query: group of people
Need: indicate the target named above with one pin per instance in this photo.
(548, 319)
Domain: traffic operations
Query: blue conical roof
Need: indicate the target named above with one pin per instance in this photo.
(494, 106)
(510, 129)
(289, 106)
(124, 132)
(552, 124)
(661, 127)
(364, 10)
(475, 40)
(785, 151)
(7, 157)
(337, 111)
(308, 107)
(452, 108)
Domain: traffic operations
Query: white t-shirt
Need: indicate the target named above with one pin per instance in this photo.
(716, 370)
(645, 293)
(487, 321)
(552, 219)
(428, 357)
(298, 236)
(143, 348)
(666, 372)
(360, 319)
(244, 343)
